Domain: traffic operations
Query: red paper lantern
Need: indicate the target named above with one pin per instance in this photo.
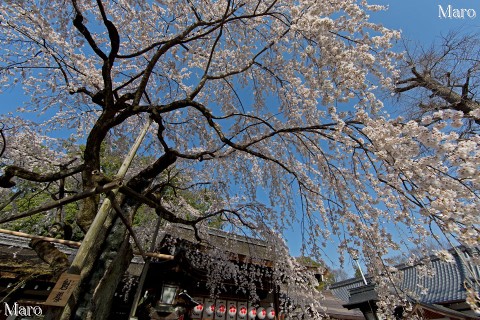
(198, 309)
(210, 309)
(252, 312)
(242, 311)
(270, 313)
(221, 309)
(232, 310)
(261, 313)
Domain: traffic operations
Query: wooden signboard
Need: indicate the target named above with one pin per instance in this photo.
(63, 290)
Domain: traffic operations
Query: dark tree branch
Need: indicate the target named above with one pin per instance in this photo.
(108, 63)
(444, 76)
(127, 223)
(61, 202)
(459, 102)
(11, 199)
(78, 23)
(142, 180)
(56, 259)
(159, 53)
(128, 82)
(112, 33)
(4, 140)
(14, 171)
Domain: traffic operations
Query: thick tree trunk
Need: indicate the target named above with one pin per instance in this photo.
(95, 264)
(105, 252)
(57, 260)
(95, 301)
(105, 291)
(92, 300)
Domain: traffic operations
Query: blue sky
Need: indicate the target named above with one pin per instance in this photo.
(419, 19)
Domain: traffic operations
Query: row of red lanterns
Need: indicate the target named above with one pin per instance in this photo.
(243, 312)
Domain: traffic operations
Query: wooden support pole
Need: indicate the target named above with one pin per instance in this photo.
(143, 276)
(102, 214)
(77, 244)
(90, 247)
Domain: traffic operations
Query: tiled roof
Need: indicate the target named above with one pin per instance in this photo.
(20, 245)
(335, 309)
(17, 258)
(237, 244)
(446, 285)
(341, 289)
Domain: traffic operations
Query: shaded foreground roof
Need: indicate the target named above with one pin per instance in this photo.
(425, 309)
(236, 244)
(445, 286)
(17, 258)
(336, 310)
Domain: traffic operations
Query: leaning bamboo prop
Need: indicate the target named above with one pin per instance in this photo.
(102, 214)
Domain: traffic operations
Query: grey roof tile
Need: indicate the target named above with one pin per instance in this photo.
(446, 285)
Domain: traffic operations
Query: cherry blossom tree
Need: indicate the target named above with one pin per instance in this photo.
(443, 77)
(269, 103)
(441, 83)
